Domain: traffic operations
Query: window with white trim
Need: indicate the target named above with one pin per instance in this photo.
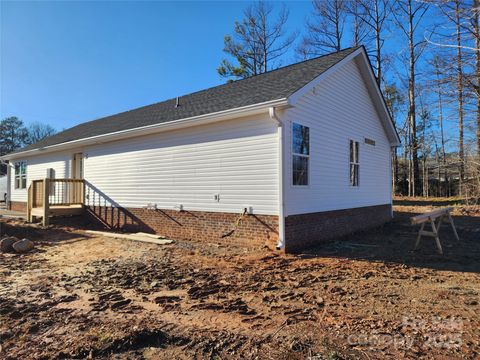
(354, 163)
(300, 154)
(21, 175)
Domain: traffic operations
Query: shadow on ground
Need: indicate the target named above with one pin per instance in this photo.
(50, 236)
(395, 241)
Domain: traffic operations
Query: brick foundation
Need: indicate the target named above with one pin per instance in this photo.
(307, 230)
(301, 231)
(18, 206)
(255, 230)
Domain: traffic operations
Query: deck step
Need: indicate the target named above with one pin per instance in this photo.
(62, 210)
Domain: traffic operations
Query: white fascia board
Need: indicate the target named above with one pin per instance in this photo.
(371, 84)
(155, 128)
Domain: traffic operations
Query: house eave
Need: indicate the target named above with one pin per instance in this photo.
(156, 128)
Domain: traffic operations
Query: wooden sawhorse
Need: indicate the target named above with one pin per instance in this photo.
(431, 217)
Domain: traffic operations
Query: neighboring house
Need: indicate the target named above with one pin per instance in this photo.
(305, 149)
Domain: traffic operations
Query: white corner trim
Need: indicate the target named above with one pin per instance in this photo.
(281, 184)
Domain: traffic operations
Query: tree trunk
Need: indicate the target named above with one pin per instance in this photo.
(377, 45)
(461, 150)
(411, 100)
(395, 169)
(476, 10)
(337, 25)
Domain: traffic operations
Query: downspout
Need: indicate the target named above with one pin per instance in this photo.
(281, 206)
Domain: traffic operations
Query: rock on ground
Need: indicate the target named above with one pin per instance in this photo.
(6, 244)
(23, 246)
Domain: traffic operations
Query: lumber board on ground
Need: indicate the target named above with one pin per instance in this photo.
(134, 237)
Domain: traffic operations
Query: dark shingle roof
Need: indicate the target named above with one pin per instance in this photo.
(273, 85)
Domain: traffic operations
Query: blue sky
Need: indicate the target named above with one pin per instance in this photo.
(64, 63)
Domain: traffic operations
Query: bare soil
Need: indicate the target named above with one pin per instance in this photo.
(366, 296)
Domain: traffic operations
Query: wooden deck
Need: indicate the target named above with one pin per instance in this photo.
(55, 197)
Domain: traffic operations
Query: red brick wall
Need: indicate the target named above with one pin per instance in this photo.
(301, 231)
(256, 230)
(18, 206)
(307, 230)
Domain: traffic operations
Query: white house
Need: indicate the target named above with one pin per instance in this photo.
(290, 157)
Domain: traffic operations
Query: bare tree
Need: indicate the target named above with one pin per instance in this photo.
(376, 15)
(408, 15)
(464, 37)
(461, 149)
(325, 30)
(438, 65)
(38, 131)
(359, 28)
(258, 41)
(395, 102)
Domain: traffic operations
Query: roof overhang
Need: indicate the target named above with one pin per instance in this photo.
(361, 58)
(152, 129)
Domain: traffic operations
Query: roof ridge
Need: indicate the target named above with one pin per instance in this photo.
(218, 86)
(269, 71)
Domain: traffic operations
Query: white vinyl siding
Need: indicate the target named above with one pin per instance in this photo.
(236, 159)
(338, 110)
(37, 169)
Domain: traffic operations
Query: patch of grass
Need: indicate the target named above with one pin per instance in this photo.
(430, 201)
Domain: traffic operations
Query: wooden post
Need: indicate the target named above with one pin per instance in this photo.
(29, 203)
(46, 193)
(83, 192)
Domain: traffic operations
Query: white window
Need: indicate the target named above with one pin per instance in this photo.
(301, 154)
(354, 163)
(20, 175)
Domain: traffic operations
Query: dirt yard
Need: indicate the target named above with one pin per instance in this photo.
(367, 296)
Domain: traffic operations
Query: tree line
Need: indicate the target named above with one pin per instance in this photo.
(426, 58)
(15, 135)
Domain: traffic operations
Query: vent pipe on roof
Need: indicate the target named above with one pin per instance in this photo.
(177, 103)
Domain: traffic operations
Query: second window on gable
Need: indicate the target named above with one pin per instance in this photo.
(300, 154)
(354, 163)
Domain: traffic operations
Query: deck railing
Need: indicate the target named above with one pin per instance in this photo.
(44, 193)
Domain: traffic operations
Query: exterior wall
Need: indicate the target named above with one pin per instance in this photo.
(37, 169)
(18, 206)
(308, 230)
(256, 230)
(236, 159)
(338, 110)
